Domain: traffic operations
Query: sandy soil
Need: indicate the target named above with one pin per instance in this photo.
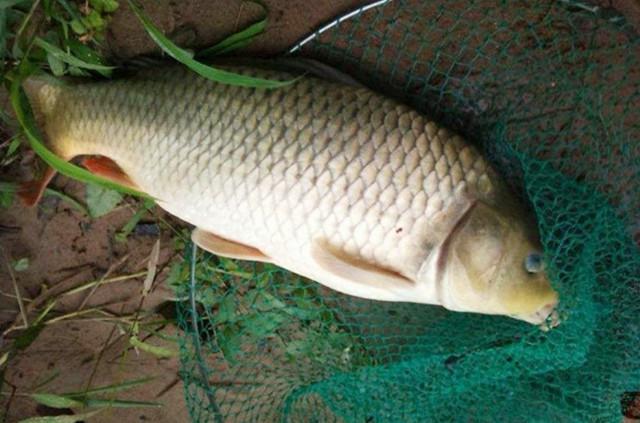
(66, 248)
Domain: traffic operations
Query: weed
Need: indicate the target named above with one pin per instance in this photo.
(99, 398)
(246, 304)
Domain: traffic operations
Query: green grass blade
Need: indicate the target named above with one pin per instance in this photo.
(69, 59)
(14, 143)
(57, 401)
(70, 10)
(201, 69)
(118, 387)
(72, 418)
(44, 312)
(64, 197)
(116, 403)
(122, 234)
(159, 352)
(235, 41)
(125, 231)
(47, 380)
(55, 64)
(16, 50)
(8, 4)
(26, 122)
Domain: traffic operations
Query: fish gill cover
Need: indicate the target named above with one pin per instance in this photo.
(551, 91)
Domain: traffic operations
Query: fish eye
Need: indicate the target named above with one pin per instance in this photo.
(534, 263)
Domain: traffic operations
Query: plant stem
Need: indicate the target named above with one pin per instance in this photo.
(23, 312)
(26, 20)
(102, 281)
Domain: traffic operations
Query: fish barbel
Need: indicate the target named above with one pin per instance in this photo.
(329, 180)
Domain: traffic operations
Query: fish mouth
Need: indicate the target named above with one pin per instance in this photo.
(546, 317)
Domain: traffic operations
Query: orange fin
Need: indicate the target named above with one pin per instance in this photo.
(31, 192)
(107, 168)
(226, 248)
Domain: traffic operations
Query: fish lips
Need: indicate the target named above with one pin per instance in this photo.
(547, 317)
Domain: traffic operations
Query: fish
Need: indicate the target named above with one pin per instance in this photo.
(323, 176)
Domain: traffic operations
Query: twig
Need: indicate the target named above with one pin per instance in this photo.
(151, 274)
(235, 25)
(9, 401)
(167, 388)
(23, 312)
(46, 295)
(6, 294)
(34, 6)
(100, 354)
(17, 394)
(118, 319)
(110, 270)
(74, 314)
(74, 270)
(102, 281)
(44, 312)
(151, 269)
(9, 229)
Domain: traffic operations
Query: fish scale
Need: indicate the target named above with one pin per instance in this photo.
(279, 169)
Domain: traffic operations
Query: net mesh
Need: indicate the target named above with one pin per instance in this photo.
(551, 91)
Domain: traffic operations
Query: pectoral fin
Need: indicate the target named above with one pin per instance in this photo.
(226, 248)
(107, 168)
(356, 271)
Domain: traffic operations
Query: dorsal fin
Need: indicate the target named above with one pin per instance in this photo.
(226, 248)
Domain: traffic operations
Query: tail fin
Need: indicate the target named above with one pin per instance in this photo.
(42, 94)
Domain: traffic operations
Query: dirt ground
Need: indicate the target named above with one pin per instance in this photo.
(66, 248)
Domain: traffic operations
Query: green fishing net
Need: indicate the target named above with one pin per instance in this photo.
(551, 91)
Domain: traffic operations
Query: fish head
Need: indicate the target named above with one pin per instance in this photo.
(494, 265)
